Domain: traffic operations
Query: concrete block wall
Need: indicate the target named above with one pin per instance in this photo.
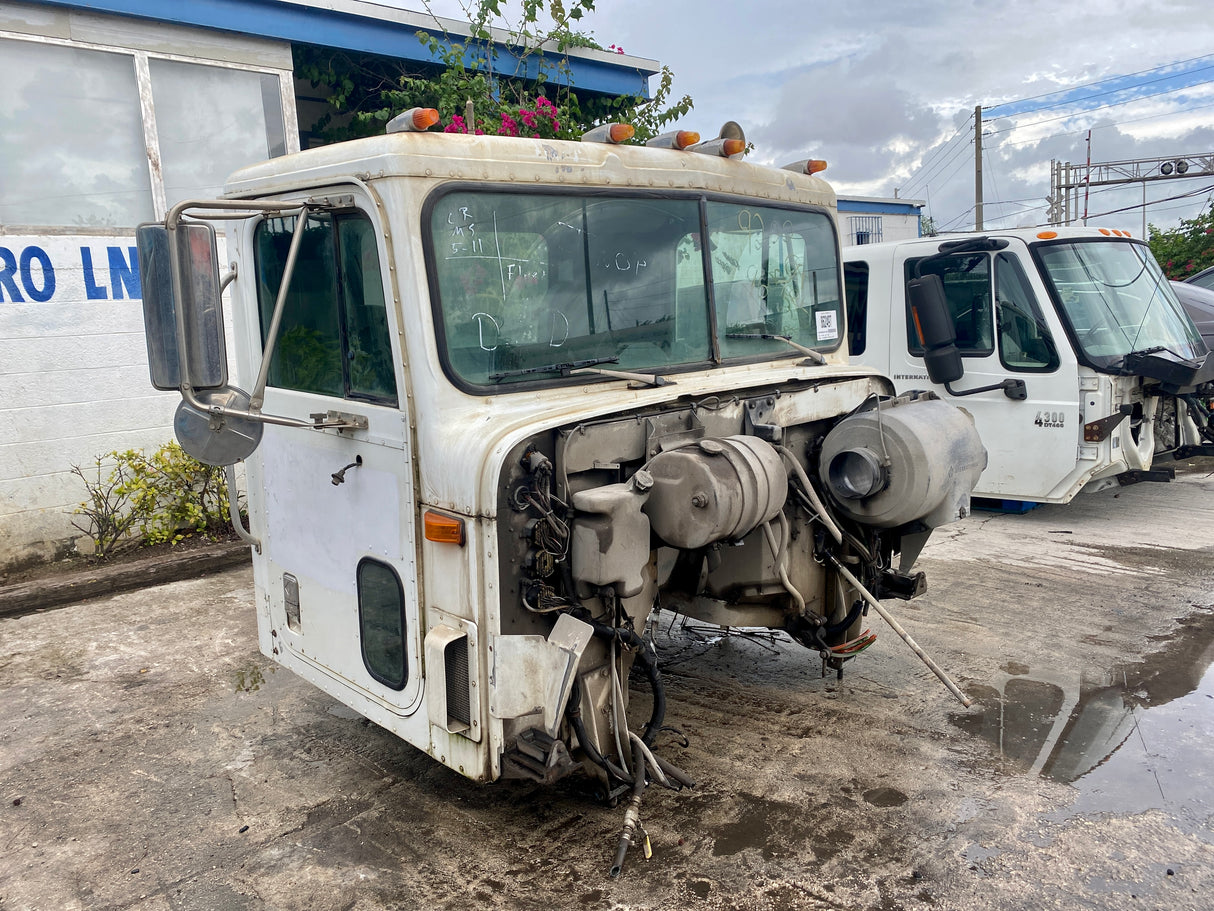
(73, 381)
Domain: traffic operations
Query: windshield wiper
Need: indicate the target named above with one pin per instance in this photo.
(645, 379)
(563, 369)
(813, 356)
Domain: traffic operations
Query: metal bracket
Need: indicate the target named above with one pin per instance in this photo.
(1098, 431)
(760, 416)
(1155, 474)
(1013, 389)
(338, 420)
(331, 202)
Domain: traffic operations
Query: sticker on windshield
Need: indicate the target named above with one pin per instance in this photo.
(828, 325)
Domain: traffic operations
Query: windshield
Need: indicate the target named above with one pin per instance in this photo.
(529, 287)
(1116, 301)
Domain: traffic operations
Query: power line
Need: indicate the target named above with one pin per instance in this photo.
(1104, 126)
(1114, 104)
(1105, 81)
(939, 150)
(926, 178)
(1165, 199)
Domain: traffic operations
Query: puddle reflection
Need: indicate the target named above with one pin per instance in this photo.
(1129, 738)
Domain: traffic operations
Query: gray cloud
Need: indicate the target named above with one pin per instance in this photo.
(876, 86)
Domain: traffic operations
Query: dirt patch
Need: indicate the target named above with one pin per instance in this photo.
(68, 581)
(126, 556)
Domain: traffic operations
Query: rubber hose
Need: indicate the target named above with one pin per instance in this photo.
(649, 663)
(574, 713)
(833, 629)
(632, 816)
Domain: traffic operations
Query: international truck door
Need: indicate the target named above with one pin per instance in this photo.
(338, 533)
(1003, 333)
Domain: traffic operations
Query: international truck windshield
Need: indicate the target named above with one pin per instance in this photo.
(1117, 301)
(530, 287)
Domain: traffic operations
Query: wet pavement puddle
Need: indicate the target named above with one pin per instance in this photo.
(1130, 738)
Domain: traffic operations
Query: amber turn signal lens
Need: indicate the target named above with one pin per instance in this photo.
(444, 529)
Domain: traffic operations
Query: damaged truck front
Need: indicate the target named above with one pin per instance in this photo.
(508, 397)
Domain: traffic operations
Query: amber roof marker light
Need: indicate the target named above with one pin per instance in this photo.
(613, 133)
(808, 166)
(731, 143)
(675, 139)
(414, 120)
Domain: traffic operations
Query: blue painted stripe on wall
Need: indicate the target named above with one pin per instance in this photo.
(884, 208)
(288, 22)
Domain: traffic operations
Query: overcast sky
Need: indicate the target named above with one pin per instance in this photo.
(885, 91)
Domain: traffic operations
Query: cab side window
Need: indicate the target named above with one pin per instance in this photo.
(333, 339)
(855, 290)
(967, 288)
(1025, 342)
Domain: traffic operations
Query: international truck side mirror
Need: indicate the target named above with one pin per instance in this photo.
(194, 299)
(933, 325)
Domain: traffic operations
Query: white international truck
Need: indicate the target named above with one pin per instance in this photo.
(505, 397)
(1076, 361)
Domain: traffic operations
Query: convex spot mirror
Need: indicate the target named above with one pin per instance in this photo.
(206, 361)
(934, 326)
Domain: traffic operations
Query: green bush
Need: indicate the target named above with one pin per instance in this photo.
(164, 497)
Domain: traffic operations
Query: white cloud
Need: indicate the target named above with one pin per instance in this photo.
(877, 86)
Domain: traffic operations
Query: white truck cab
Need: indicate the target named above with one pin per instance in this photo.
(500, 398)
(1077, 363)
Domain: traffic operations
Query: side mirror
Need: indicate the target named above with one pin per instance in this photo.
(934, 326)
(196, 292)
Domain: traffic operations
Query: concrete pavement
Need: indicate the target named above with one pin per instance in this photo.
(150, 758)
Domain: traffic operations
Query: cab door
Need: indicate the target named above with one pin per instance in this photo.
(1003, 332)
(335, 508)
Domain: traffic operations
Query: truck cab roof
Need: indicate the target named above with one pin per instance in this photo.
(510, 160)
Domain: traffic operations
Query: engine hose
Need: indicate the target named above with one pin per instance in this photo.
(1204, 425)
(833, 629)
(632, 816)
(627, 636)
(574, 713)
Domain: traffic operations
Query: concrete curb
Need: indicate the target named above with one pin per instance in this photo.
(100, 581)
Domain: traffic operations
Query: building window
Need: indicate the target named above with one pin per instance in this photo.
(864, 229)
(83, 147)
(71, 138)
(210, 121)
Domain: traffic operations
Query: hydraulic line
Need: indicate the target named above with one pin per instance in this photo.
(897, 628)
(632, 816)
(819, 506)
(779, 553)
(625, 636)
(574, 713)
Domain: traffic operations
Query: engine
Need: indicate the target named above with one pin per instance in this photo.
(733, 512)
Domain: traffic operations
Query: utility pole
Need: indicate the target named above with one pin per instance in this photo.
(978, 167)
